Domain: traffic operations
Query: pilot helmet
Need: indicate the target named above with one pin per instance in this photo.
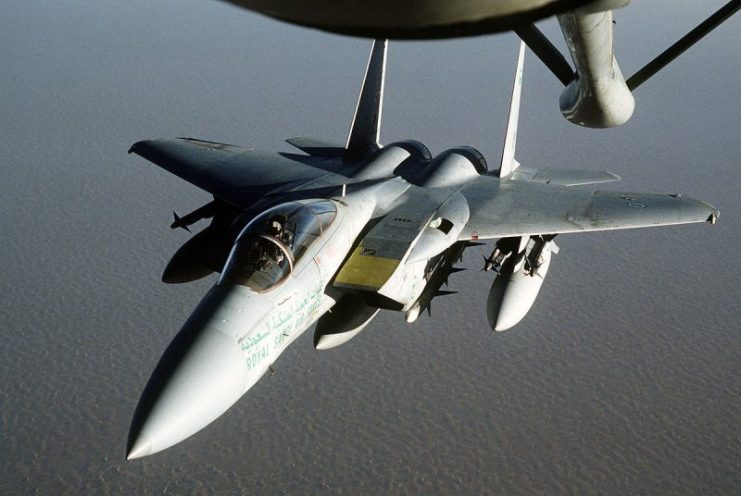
(275, 226)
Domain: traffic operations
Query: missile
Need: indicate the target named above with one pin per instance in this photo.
(439, 276)
(412, 314)
(205, 212)
(520, 278)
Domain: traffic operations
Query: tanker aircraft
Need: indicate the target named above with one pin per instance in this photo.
(414, 19)
(331, 236)
(595, 95)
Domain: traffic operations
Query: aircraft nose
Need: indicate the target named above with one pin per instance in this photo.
(201, 375)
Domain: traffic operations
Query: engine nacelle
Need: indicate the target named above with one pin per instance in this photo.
(439, 235)
(515, 288)
(598, 97)
(442, 231)
(385, 162)
(348, 317)
(201, 255)
(453, 167)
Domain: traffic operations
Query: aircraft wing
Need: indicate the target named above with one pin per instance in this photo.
(518, 208)
(231, 173)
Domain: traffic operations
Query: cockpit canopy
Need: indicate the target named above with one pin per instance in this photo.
(272, 244)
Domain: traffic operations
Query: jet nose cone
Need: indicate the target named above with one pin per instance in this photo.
(201, 375)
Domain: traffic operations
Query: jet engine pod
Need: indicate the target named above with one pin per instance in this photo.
(454, 167)
(201, 255)
(442, 231)
(385, 161)
(347, 318)
(514, 290)
(410, 19)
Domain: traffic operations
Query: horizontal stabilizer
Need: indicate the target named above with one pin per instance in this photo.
(564, 177)
(317, 148)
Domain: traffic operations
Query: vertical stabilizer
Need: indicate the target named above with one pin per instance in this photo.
(509, 163)
(366, 125)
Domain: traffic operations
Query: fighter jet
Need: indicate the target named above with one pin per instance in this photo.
(596, 94)
(331, 236)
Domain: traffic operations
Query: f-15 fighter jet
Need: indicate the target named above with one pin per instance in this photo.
(331, 236)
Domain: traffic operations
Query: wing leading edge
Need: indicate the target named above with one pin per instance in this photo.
(231, 173)
(525, 209)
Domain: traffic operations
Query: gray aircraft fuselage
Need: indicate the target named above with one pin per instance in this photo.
(335, 235)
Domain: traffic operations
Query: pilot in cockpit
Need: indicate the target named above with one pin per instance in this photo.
(277, 229)
(269, 246)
